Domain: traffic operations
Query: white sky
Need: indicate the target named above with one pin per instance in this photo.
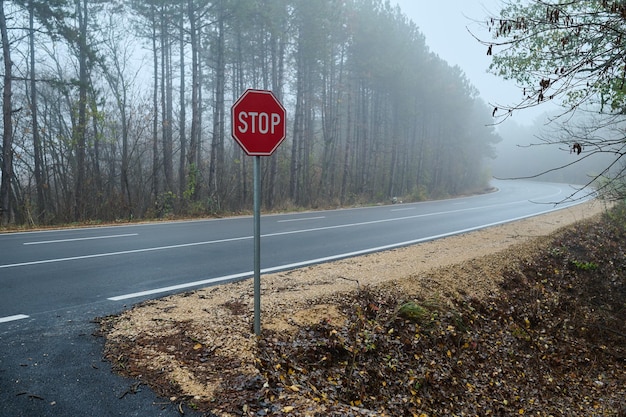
(445, 25)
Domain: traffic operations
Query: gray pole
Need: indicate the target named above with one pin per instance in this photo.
(257, 245)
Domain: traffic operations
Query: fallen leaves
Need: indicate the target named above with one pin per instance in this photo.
(550, 341)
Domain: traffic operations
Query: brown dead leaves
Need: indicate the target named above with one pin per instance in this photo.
(535, 330)
(552, 342)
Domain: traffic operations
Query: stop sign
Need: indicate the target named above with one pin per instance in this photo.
(258, 122)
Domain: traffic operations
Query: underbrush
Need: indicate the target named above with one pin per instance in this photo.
(552, 342)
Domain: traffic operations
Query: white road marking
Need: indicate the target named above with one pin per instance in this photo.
(317, 229)
(180, 286)
(125, 252)
(313, 261)
(300, 220)
(404, 209)
(13, 318)
(43, 242)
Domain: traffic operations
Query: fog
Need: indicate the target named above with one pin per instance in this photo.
(526, 148)
(378, 106)
(543, 151)
(450, 28)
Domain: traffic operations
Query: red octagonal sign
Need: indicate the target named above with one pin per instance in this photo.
(258, 122)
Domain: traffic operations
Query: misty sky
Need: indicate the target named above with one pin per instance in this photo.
(445, 24)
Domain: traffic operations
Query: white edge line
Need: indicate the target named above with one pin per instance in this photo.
(102, 255)
(43, 242)
(318, 260)
(301, 219)
(180, 286)
(13, 318)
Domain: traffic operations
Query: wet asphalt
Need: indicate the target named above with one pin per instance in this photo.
(52, 365)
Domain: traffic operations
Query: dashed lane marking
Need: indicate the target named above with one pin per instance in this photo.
(13, 318)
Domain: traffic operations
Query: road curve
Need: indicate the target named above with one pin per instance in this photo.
(53, 283)
(42, 272)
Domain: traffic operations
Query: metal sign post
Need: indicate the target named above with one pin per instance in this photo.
(257, 245)
(259, 123)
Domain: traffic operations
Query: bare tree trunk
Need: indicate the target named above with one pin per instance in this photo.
(306, 142)
(80, 128)
(298, 120)
(195, 85)
(125, 186)
(155, 109)
(216, 168)
(39, 180)
(393, 168)
(97, 173)
(166, 103)
(277, 50)
(238, 88)
(7, 138)
(182, 177)
(346, 153)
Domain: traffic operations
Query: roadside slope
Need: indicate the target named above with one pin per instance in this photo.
(198, 347)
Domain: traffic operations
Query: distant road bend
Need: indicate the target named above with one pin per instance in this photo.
(50, 271)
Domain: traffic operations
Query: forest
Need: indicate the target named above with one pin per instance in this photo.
(120, 110)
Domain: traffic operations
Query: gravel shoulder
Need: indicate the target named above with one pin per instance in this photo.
(213, 326)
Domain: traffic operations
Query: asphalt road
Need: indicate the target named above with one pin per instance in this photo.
(54, 283)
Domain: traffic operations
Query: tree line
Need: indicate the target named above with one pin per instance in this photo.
(120, 110)
(571, 53)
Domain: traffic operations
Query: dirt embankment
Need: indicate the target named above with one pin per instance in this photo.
(198, 348)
